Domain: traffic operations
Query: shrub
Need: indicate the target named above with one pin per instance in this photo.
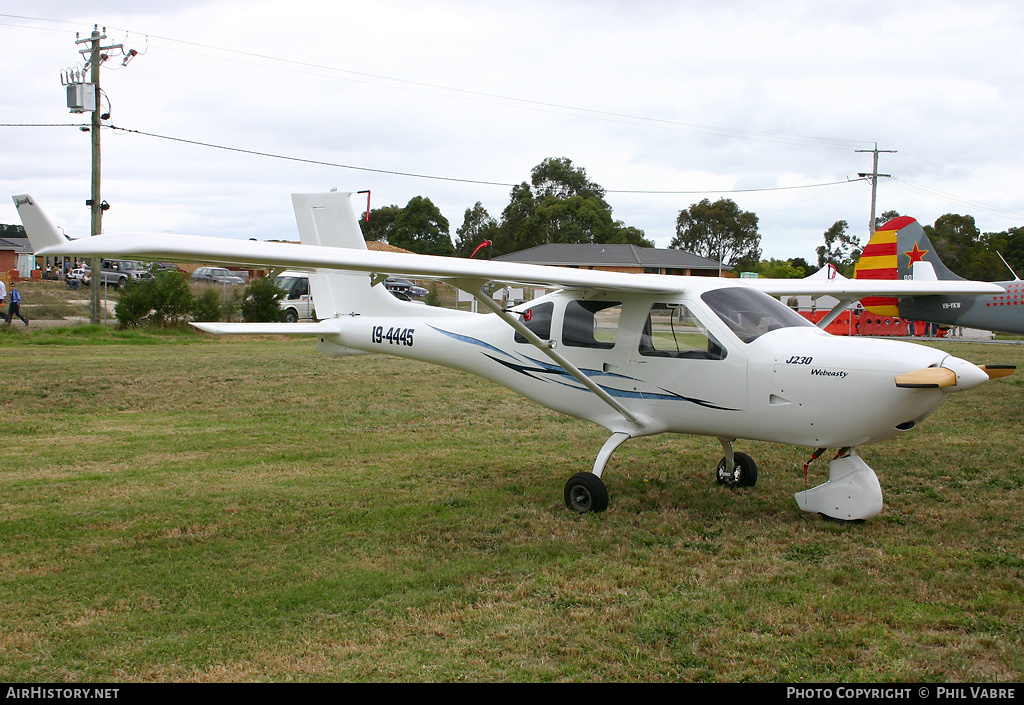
(172, 299)
(261, 302)
(134, 303)
(162, 300)
(206, 307)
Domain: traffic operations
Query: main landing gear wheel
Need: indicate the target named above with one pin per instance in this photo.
(586, 492)
(743, 474)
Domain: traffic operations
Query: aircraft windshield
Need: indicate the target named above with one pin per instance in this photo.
(751, 313)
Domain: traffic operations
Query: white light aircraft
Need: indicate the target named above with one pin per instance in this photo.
(638, 354)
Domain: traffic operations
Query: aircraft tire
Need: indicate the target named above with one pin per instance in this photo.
(744, 473)
(586, 492)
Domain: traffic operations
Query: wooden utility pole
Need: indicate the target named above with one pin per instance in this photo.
(95, 203)
(873, 177)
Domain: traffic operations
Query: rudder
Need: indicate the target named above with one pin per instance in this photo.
(328, 220)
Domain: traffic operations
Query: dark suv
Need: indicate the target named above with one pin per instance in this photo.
(117, 272)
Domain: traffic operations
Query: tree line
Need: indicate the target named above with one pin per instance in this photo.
(560, 204)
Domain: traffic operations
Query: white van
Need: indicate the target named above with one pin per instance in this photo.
(297, 303)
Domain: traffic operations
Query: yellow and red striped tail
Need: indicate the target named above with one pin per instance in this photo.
(879, 261)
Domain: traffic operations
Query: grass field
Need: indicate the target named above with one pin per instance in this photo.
(181, 508)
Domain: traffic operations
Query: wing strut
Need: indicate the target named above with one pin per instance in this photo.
(834, 313)
(545, 346)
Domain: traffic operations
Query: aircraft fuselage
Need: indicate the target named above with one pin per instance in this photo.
(793, 384)
(999, 312)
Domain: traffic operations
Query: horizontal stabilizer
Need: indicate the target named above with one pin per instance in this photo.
(321, 328)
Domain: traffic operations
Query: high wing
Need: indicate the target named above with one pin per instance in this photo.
(853, 289)
(313, 258)
(47, 241)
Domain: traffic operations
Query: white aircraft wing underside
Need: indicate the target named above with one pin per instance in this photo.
(857, 288)
(462, 272)
(215, 250)
(310, 258)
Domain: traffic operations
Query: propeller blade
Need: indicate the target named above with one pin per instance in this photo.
(996, 371)
(927, 378)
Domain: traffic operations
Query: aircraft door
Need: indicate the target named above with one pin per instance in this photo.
(682, 365)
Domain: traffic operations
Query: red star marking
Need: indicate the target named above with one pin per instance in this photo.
(917, 254)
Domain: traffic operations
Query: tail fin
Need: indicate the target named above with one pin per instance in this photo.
(41, 232)
(328, 220)
(890, 254)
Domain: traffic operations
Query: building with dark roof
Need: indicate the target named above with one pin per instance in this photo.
(621, 258)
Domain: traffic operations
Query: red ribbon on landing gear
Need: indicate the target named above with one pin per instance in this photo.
(842, 452)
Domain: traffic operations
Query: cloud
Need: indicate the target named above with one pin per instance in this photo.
(646, 96)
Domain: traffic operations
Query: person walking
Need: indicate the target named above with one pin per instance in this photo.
(15, 307)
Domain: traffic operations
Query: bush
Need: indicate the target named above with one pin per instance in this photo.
(206, 307)
(134, 303)
(261, 302)
(172, 299)
(163, 300)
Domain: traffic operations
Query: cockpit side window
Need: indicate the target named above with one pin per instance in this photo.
(591, 324)
(673, 331)
(538, 320)
(751, 313)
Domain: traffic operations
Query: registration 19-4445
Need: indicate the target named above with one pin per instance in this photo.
(394, 336)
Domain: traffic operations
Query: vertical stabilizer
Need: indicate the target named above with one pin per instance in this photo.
(890, 254)
(914, 246)
(41, 232)
(328, 220)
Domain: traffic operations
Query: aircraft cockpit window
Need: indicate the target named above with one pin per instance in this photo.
(673, 331)
(538, 320)
(751, 313)
(591, 324)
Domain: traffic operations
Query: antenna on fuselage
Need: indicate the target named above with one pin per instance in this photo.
(1015, 277)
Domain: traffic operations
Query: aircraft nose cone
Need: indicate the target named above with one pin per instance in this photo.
(968, 375)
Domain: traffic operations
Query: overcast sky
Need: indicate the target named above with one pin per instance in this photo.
(663, 103)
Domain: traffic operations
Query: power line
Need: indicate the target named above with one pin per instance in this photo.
(493, 98)
(939, 195)
(907, 185)
(741, 190)
(307, 161)
(447, 178)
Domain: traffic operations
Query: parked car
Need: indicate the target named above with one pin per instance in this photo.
(404, 286)
(216, 275)
(297, 303)
(169, 266)
(114, 272)
(402, 296)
